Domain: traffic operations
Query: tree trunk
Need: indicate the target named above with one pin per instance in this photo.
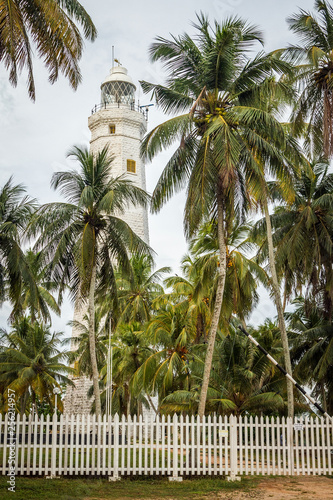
(279, 308)
(92, 341)
(23, 403)
(33, 403)
(323, 395)
(217, 307)
(199, 329)
(152, 404)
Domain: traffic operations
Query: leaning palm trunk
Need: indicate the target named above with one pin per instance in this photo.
(328, 123)
(279, 307)
(217, 308)
(92, 341)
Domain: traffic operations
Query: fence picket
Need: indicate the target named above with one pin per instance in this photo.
(21, 423)
(323, 444)
(329, 446)
(140, 444)
(181, 444)
(273, 438)
(313, 452)
(187, 445)
(215, 431)
(61, 424)
(116, 446)
(226, 443)
(307, 438)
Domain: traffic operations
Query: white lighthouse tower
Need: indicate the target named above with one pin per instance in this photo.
(118, 123)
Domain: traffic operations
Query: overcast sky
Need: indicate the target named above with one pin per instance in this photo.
(35, 137)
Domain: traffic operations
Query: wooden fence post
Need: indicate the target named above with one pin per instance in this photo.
(115, 476)
(290, 444)
(175, 476)
(233, 450)
(54, 447)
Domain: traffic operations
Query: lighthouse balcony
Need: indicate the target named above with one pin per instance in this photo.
(111, 105)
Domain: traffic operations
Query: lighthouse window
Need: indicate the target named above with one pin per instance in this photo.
(131, 166)
(112, 129)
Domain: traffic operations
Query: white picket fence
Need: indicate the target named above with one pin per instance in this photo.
(172, 446)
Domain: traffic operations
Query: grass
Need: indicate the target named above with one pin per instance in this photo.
(131, 488)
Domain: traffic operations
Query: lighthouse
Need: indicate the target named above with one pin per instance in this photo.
(119, 124)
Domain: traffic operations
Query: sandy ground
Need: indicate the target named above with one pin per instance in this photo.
(306, 488)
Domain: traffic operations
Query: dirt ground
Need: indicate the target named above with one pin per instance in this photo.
(285, 488)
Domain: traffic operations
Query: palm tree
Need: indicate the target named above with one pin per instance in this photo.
(51, 28)
(137, 290)
(220, 133)
(313, 75)
(31, 362)
(16, 209)
(40, 308)
(166, 369)
(80, 353)
(242, 379)
(303, 243)
(303, 236)
(286, 167)
(192, 295)
(243, 273)
(311, 336)
(83, 238)
(130, 350)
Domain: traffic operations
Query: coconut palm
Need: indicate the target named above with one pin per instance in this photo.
(192, 295)
(303, 236)
(273, 97)
(52, 29)
(39, 309)
(311, 335)
(243, 273)
(212, 79)
(32, 362)
(80, 353)
(314, 57)
(16, 209)
(84, 238)
(137, 290)
(130, 349)
(166, 369)
(242, 379)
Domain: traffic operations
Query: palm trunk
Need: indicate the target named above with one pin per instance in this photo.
(128, 403)
(217, 307)
(278, 303)
(92, 341)
(23, 403)
(323, 396)
(199, 329)
(152, 404)
(33, 403)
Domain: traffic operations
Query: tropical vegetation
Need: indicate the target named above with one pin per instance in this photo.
(258, 215)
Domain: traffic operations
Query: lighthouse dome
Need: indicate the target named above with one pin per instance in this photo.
(118, 87)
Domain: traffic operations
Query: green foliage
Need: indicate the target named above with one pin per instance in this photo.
(32, 364)
(303, 237)
(86, 231)
(313, 74)
(137, 289)
(52, 29)
(16, 275)
(311, 336)
(242, 380)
